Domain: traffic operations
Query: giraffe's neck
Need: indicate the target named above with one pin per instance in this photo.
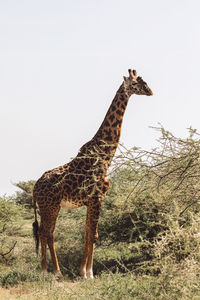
(109, 132)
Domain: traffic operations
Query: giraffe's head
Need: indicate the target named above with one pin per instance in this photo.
(136, 85)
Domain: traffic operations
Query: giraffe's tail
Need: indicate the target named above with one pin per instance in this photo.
(36, 229)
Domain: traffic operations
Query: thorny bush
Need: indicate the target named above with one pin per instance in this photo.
(154, 202)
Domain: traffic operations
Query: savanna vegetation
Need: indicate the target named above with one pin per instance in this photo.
(149, 232)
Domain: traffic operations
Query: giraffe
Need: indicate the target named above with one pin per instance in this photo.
(83, 181)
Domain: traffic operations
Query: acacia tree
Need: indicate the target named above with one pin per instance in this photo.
(154, 201)
(24, 196)
(169, 173)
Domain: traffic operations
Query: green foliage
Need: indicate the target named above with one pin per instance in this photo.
(18, 276)
(8, 213)
(128, 286)
(156, 195)
(24, 196)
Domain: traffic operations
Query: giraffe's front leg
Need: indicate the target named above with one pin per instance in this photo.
(91, 235)
(85, 249)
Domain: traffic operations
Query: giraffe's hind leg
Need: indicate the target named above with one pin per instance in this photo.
(50, 242)
(46, 233)
(43, 241)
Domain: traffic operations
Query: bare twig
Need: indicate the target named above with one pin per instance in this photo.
(9, 251)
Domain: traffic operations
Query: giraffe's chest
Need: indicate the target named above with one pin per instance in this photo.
(68, 204)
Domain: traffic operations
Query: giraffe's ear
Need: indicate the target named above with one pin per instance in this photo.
(125, 78)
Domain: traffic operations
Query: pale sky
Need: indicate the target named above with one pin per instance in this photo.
(61, 63)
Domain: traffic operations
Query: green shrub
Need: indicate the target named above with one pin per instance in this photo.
(18, 276)
(8, 228)
(24, 196)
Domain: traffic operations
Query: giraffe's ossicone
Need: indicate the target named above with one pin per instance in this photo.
(83, 181)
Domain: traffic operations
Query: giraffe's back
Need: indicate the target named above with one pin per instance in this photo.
(74, 184)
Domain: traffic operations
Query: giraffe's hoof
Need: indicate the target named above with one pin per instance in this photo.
(83, 276)
(90, 275)
(59, 276)
(83, 273)
(44, 273)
